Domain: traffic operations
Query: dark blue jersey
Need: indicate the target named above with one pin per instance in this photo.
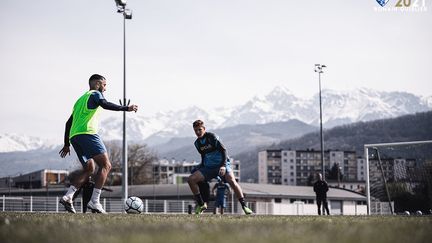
(221, 189)
(213, 152)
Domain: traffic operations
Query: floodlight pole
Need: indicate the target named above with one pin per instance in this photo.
(127, 14)
(125, 158)
(319, 70)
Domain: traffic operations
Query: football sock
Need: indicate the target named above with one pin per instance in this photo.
(242, 202)
(96, 195)
(199, 199)
(71, 191)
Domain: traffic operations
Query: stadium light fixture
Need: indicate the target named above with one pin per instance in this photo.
(319, 70)
(127, 14)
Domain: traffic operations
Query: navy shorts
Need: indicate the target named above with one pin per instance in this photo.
(87, 146)
(220, 202)
(212, 172)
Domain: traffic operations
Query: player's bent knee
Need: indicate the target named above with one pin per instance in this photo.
(108, 166)
(90, 167)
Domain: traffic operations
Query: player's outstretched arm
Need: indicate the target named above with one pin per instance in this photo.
(66, 147)
(133, 108)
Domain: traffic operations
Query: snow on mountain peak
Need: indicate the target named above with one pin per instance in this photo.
(280, 104)
(11, 142)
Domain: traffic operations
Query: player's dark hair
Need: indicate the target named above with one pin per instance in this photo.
(95, 78)
(198, 123)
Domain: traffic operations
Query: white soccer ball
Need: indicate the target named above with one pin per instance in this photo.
(419, 212)
(134, 205)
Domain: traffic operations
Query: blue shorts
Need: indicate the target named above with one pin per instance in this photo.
(220, 202)
(212, 172)
(87, 146)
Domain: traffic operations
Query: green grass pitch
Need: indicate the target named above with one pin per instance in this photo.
(93, 228)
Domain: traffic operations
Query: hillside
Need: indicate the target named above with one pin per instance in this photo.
(237, 139)
(349, 137)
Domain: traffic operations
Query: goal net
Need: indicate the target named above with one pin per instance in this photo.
(399, 177)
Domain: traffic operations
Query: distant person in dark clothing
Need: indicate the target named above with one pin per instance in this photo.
(321, 188)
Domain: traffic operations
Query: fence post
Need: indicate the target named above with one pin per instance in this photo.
(165, 206)
(146, 206)
(232, 203)
(57, 202)
(31, 203)
(183, 208)
(81, 204)
(4, 201)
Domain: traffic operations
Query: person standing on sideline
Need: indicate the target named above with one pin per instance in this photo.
(81, 130)
(321, 188)
(221, 188)
(215, 163)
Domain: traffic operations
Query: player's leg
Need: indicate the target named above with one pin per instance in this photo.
(78, 179)
(326, 206)
(319, 206)
(193, 181)
(221, 210)
(204, 189)
(229, 176)
(104, 165)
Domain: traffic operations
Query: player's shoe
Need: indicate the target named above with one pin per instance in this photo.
(200, 209)
(68, 204)
(247, 210)
(96, 207)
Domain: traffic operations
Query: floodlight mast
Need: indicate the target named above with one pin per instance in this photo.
(319, 70)
(127, 14)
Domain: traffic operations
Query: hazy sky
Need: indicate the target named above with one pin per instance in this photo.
(200, 52)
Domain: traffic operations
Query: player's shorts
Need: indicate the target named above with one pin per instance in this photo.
(87, 146)
(212, 172)
(220, 202)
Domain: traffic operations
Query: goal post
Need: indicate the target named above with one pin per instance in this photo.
(404, 162)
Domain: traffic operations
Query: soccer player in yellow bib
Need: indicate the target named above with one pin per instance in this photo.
(81, 131)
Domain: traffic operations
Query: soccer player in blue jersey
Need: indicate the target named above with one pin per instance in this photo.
(221, 194)
(81, 131)
(215, 163)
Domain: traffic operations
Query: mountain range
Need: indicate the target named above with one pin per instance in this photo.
(279, 105)
(262, 121)
(339, 107)
(352, 137)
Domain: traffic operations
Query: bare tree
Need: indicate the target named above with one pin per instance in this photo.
(140, 159)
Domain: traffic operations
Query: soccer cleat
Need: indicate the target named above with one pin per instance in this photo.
(96, 207)
(200, 209)
(68, 205)
(247, 210)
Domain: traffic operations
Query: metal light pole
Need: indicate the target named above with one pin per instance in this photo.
(127, 14)
(319, 70)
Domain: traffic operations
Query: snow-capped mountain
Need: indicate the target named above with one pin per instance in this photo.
(17, 142)
(339, 107)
